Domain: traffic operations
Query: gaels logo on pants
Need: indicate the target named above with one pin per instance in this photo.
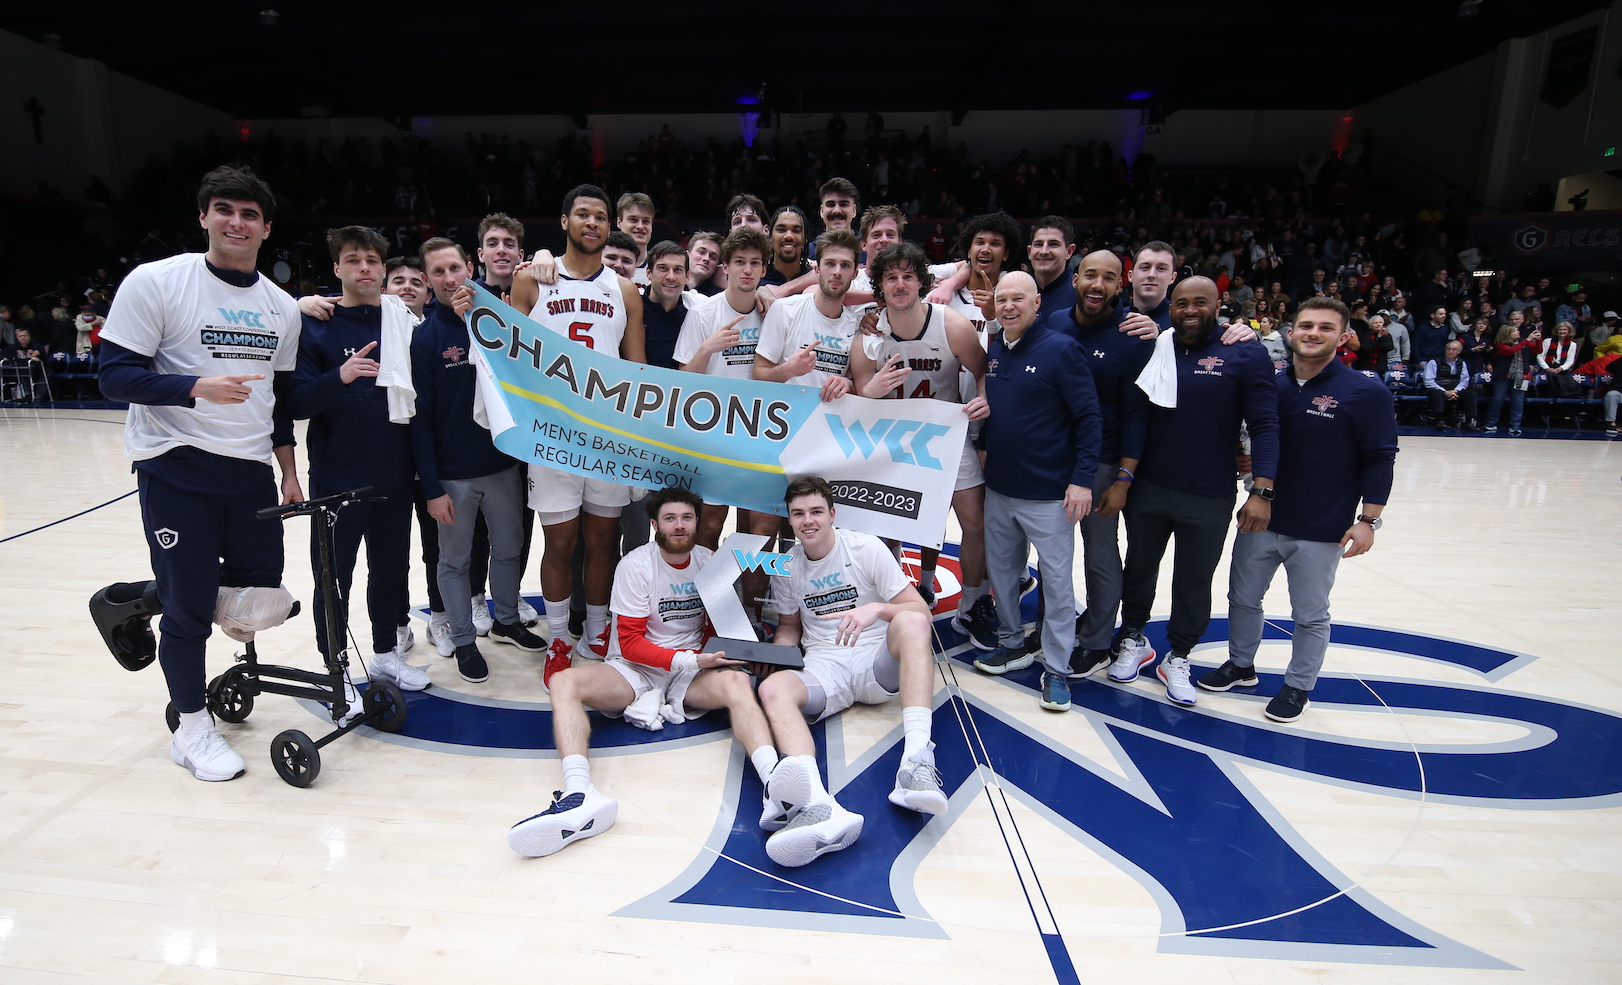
(166, 537)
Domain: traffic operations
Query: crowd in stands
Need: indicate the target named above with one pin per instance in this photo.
(1270, 240)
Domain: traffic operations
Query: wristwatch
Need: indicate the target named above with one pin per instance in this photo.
(1265, 492)
(1373, 521)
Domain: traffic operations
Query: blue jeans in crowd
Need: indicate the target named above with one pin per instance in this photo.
(1501, 385)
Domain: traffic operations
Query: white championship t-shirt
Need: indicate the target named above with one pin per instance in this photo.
(193, 324)
(737, 361)
(859, 570)
(589, 310)
(646, 586)
(794, 323)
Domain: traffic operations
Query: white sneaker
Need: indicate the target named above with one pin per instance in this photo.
(405, 638)
(1134, 655)
(526, 613)
(357, 707)
(918, 786)
(206, 754)
(392, 666)
(1173, 672)
(773, 816)
(789, 787)
(482, 619)
(571, 818)
(820, 828)
(440, 633)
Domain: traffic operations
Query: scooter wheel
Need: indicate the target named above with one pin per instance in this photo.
(386, 696)
(228, 699)
(296, 758)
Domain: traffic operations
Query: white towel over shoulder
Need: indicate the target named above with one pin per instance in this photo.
(394, 359)
(1159, 377)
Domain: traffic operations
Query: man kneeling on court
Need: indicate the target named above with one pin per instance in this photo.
(659, 671)
(866, 635)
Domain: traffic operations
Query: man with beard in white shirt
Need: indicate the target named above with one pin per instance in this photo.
(661, 673)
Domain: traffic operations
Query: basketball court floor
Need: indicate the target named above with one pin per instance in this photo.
(1448, 811)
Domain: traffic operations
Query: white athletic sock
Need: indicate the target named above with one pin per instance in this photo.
(439, 618)
(191, 721)
(915, 730)
(926, 576)
(557, 618)
(576, 774)
(819, 793)
(971, 594)
(764, 759)
(596, 620)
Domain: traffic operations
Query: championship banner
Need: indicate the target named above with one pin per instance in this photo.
(554, 402)
(1551, 240)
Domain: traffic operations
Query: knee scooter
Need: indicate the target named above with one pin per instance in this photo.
(123, 612)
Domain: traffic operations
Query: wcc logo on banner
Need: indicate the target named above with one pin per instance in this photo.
(551, 401)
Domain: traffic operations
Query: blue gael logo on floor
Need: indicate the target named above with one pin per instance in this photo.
(1229, 874)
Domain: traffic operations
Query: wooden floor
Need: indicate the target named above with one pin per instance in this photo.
(1444, 814)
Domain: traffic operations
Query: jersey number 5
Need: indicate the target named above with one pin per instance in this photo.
(580, 331)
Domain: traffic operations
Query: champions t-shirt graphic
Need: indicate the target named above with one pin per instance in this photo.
(859, 570)
(193, 324)
(735, 361)
(795, 323)
(646, 586)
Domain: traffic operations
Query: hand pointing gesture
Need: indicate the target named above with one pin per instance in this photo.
(358, 365)
(225, 389)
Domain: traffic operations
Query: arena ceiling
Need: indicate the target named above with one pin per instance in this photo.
(280, 57)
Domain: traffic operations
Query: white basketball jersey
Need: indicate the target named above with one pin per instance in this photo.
(934, 367)
(963, 303)
(589, 311)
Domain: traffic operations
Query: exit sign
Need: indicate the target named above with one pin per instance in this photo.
(1610, 152)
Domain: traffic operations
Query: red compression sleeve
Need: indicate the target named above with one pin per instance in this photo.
(634, 645)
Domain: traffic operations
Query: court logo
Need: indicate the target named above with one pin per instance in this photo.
(165, 537)
(1171, 772)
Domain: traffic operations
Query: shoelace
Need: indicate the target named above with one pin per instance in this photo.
(208, 743)
(921, 776)
(1177, 672)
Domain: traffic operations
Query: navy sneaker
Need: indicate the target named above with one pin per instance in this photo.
(928, 592)
(1227, 676)
(979, 624)
(470, 664)
(1288, 705)
(571, 818)
(1055, 692)
(1085, 662)
(1005, 660)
